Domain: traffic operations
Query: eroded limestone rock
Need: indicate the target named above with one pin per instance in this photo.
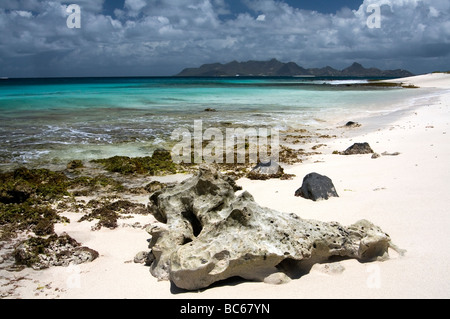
(207, 234)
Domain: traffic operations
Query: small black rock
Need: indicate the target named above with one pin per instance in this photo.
(358, 148)
(352, 124)
(316, 187)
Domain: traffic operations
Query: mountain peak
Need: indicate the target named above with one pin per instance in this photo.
(356, 65)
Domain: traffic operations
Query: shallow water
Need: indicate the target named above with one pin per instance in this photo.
(57, 120)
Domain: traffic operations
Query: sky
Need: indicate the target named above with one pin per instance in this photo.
(162, 37)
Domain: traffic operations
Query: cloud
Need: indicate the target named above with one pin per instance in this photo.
(20, 5)
(155, 37)
(261, 17)
(25, 14)
(134, 6)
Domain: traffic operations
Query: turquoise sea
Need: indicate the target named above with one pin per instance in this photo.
(46, 121)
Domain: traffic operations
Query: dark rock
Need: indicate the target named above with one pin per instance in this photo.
(316, 187)
(210, 110)
(352, 124)
(150, 258)
(358, 148)
(16, 194)
(264, 171)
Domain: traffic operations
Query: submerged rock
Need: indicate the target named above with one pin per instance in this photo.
(316, 187)
(207, 233)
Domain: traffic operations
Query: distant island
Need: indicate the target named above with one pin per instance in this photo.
(276, 68)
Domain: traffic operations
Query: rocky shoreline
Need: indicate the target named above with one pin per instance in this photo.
(108, 250)
(32, 200)
(105, 191)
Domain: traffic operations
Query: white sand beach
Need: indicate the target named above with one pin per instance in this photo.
(406, 195)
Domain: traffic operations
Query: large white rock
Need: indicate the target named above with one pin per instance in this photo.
(207, 234)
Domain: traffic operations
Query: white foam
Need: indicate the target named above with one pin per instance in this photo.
(343, 82)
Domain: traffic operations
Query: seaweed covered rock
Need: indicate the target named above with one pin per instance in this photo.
(109, 213)
(159, 163)
(316, 187)
(207, 233)
(40, 253)
(22, 184)
(74, 164)
(26, 198)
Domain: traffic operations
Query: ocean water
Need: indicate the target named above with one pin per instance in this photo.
(46, 121)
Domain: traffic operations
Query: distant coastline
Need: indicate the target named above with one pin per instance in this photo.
(274, 67)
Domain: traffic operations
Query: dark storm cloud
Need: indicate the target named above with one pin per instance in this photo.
(162, 37)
